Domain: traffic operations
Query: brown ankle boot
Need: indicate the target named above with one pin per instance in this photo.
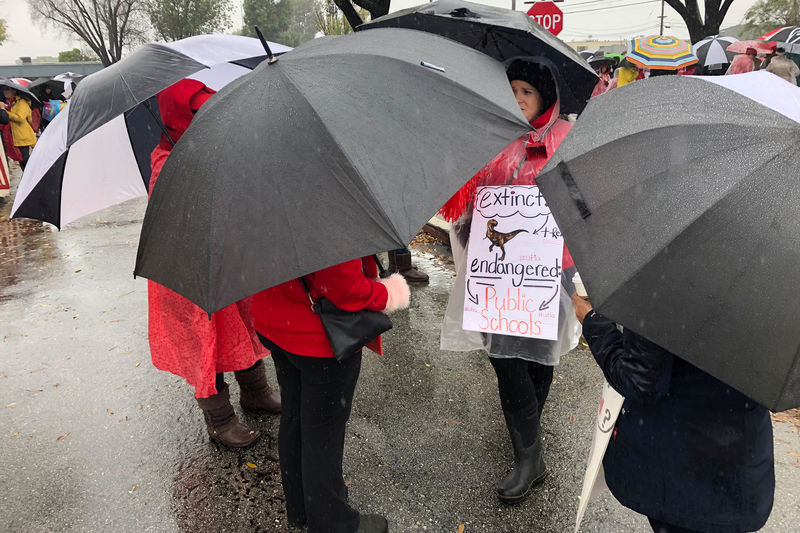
(255, 394)
(222, 423)
(404, 266)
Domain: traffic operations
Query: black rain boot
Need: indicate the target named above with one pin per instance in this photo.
(404, 266)
(529, 469)
(372, 523)
(255, 394)
(392, 268)
(222, 423)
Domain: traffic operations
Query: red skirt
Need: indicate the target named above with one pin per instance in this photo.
(185, 342)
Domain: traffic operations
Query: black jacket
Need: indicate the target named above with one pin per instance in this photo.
(687, 449)
(4, 118)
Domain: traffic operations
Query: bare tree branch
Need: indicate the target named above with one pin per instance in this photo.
(106, 26)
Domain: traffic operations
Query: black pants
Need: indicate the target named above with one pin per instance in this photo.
(523, 387)
(26, 154)
(316, 397)
(662, 527)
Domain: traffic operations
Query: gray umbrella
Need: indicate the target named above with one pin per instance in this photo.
(344, 147)
(683, 221)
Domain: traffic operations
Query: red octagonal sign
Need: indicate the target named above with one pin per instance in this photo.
(548, 15)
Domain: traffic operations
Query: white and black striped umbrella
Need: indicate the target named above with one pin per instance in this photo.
(787, 34)
(695, 246)
(712, 50)
(96, 152)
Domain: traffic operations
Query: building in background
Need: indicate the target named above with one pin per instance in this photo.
(610, 47)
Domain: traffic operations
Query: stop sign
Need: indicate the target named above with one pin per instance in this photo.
(548, 15)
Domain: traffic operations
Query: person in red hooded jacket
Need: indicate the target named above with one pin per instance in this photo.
(524, 366)
(183, 340)
(317, 389)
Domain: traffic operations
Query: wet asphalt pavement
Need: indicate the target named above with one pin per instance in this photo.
(94, 438)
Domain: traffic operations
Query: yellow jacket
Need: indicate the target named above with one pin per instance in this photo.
(20, 116)
(627, 75)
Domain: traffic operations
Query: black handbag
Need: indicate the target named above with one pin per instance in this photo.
(348, 331)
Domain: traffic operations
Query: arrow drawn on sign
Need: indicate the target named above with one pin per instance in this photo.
(546, 305)
(472, 297)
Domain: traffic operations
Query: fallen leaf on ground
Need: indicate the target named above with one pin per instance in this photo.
(135, 487)
(141, 407)
(15, 434)
(34, 390)
(77, 270)
(12, 404)
(794, 454)
(347, 483)
(64, 436)
(571, 420)
(109, 411)
(454, 422)
(138, 363)
(251, 465)
(37, 370)
(461, 528)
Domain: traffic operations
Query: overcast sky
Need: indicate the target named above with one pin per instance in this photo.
(598, 18)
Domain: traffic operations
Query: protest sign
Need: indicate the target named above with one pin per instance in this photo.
(594, 482)
(513, 277)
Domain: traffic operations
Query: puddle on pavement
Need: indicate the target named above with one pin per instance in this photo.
(22, 243)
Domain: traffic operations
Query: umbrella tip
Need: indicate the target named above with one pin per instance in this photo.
(271, 57)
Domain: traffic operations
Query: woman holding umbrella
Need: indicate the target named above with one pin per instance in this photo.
(524, 366)
(317, 389)
(183, 339)
(19, 112)
(688, 451)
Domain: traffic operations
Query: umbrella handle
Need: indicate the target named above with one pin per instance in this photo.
(271, 58)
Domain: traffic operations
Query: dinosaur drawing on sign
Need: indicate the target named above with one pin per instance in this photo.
(499, 238)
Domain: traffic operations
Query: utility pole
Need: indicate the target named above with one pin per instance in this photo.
(661, 28)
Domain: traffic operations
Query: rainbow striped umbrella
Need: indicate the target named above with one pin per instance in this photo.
(660, 52)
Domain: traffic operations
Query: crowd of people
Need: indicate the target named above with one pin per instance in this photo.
(688, 452)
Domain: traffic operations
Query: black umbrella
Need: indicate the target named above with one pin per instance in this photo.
(683, 221)
(96, 152)
(60, 85)
(502, 34)
(5, 82)
(344, 147)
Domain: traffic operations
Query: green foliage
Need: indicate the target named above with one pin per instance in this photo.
(178, 19)
(767, 15)
(331, 21)
(3, 31)
(289, 22)
(75, 55)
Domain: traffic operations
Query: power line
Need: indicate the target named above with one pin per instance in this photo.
(611, 7)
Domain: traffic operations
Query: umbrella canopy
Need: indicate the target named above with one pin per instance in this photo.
(597, 60)
(61, 84)
(711, 51)
(660, 52)
(787, 34)
(502, 34)
(690, 237)
(761, 47)
(9, 82)
(343, 148)
(96, 152)
(586, 54)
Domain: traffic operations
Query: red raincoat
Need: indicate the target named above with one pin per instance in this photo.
(283, 313)
(182, 338)
(536, 147)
